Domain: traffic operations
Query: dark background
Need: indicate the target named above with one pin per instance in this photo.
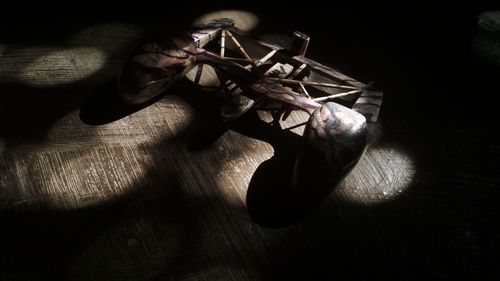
(440, 102)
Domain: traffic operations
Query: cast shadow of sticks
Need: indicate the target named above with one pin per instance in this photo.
(104, 105)
(271, 199)
(274, 198)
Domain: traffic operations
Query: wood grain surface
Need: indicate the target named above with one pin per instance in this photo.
(92, 189)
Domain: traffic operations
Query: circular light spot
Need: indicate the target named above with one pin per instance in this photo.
(242, 19)
(383, 173)
(81, 166)
(63, 67)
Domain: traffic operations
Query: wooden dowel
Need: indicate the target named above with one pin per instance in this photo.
(242, 50)
(236, 59)
(304, 90)
(327, 85)
(337, 95)
(222, 43)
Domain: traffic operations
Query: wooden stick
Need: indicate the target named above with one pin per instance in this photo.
(260, 61)
(235, 59)
(337, 95)
(328, 85)
(265, 58)
(304, 90)
(242, 50)
(297, 71)
(222, 43)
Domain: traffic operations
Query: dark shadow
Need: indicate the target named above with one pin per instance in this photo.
(104, 105)
(271, 198)
(207, 125)
(27, 113)
(205, 132)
